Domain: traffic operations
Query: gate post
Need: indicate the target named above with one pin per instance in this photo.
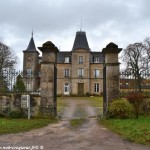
(48, 79)
(110, 74)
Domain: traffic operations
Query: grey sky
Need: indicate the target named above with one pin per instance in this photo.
(119, 21)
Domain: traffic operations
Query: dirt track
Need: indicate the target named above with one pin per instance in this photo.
(61, 136)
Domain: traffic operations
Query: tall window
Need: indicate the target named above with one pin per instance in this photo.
(80, 72)
(96, 73)
(96, 59)
(67, 59)
(80, 60)
(96, 87)
(66, 73)
(28, 86)
(29, 72)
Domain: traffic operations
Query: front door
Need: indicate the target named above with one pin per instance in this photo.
(80, 88)
(66, 89)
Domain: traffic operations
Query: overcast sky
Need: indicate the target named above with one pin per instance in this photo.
(120, 21)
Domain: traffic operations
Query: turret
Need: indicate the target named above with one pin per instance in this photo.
(31, 65)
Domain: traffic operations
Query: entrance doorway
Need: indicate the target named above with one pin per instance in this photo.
(80, 88)
(66, 89)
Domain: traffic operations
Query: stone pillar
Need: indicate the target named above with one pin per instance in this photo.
(110, 74)
(48, 79)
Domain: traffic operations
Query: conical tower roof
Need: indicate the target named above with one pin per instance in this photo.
(80, 41)
(31, 46)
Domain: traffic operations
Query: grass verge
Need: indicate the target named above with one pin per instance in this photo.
(21, 125)
(75, 123)
(96, 101)
(134, 130)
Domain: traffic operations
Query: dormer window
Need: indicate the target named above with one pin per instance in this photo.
(67, 59)
(96, 59)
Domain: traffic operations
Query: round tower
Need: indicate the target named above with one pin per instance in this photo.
(31, 66)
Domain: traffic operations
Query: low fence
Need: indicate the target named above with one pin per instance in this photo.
(12, 81)
(129, 83)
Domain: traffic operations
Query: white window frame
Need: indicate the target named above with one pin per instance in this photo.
(81, 72)
(96, 87)
(67, 59)
(29, 86)
(80, 60)
(96, 59)
(66, 89)
(66, 72)
(96, 73)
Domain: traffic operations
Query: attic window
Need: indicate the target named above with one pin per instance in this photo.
(96, 59)
(67, 59)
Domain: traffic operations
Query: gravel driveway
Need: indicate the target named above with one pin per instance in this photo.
(60, 136)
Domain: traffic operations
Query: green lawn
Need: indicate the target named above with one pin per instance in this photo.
(131, 129)
(96, 101)
(22, 125)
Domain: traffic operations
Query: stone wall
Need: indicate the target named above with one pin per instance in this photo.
(13, 103)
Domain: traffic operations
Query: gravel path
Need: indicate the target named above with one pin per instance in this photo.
(78, 109)
(60, 136)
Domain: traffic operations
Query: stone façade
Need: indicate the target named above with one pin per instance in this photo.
(79, 71)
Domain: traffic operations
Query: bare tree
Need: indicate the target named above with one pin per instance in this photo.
(134, 56)
(7, 59)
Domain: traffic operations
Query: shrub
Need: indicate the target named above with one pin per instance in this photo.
(137, 100)
(146, 106)
(15, 114)
(119, 108)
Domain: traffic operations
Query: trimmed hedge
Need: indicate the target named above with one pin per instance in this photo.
(119, 108)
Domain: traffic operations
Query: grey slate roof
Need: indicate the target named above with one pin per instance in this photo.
(31, 46)
(97, 54)
(80, 41)
(61, 56)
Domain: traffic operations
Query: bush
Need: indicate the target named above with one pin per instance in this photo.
(119, 108)
(146, 107)
(137, 100)
(15, 114)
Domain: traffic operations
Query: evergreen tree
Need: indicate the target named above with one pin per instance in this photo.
(19, 87)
